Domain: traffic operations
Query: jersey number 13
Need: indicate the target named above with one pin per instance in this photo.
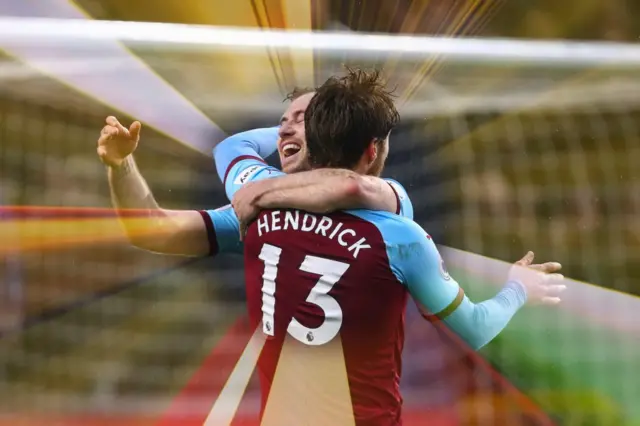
(330, 272)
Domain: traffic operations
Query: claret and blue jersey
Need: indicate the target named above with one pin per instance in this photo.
(240, 159)
(343, 279)
(412, 255)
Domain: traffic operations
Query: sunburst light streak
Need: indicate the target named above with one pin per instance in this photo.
(24, 228)
(75, 32)
(131, 87)
(594, 303)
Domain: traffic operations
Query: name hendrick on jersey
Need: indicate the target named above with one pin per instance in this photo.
(325, 226)
(322, 291)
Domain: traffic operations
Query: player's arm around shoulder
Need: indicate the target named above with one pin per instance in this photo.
(355, 191)
(404, 207)
(326, 190)
(320, 191)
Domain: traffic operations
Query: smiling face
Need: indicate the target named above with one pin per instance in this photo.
(292, 145)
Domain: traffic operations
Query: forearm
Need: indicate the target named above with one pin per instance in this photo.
(326, 190)
(149, 227)
(317, 191)
(478, 324)
(138, 210)
(129, 190)
(315, 199)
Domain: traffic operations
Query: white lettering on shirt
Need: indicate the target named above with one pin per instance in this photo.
(324, 226)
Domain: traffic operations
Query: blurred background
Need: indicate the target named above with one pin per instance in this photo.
(498, 158)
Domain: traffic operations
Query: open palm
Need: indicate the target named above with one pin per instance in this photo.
(116, 142)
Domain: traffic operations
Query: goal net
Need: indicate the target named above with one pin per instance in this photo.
(505, 146)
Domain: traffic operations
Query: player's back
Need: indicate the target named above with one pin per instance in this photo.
(322, 289)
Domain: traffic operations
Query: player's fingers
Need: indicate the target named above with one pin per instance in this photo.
(107, 133)
(553, 278)
(241, 210)
(550, 300)
(555, 289)
(547, 267)
(112, 121)
(247, 214)
(134, 129)
(553, 266)
(109, 130)
(236, 204)
(526, 260)
(243, 230)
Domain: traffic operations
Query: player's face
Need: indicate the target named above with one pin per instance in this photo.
(292, 145)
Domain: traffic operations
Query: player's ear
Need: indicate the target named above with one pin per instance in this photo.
(372, 152)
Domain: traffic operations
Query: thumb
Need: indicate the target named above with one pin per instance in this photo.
(526, 260)
(134, 130)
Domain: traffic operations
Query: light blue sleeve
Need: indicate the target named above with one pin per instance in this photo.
(241, 156)
(416, 262)
(405, 207)
(223, 229)
(249, 148)
(440, 297)
(248, 171)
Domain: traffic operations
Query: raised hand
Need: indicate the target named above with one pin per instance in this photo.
(116, 142)
(542, 282)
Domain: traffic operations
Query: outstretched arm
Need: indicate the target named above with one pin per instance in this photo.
(440, 298)
(148, 226)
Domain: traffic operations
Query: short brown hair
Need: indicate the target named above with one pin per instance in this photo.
(346, 115)
(297, 92)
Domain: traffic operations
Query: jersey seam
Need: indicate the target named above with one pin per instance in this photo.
(211, 233)
(398, 205)
(402, 281)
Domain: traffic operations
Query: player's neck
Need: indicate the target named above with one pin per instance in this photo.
(365, 167)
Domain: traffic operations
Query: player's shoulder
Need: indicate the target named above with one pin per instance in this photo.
(397, 187)
(405, 207)
(395, 229)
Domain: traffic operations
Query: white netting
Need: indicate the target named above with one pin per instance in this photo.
(502, 150)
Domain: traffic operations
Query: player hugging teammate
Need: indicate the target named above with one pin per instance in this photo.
(327, 292)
